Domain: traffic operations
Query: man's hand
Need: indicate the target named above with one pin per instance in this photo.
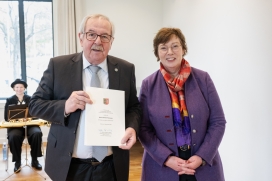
(129, 139)
(77, 100)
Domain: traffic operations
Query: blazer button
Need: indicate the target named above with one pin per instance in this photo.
(192, 116)
(74, 132)
(70, 154)
(194, 131)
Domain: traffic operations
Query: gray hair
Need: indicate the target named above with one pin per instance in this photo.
(95, 16)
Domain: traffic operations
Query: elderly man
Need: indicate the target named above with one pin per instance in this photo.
(61, 99)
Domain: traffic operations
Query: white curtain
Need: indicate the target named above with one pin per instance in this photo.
(64, 22)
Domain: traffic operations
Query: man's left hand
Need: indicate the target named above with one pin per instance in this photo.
(129, 139)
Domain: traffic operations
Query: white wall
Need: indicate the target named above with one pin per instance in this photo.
(232, 40)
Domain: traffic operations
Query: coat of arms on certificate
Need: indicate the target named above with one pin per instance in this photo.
(106, 101)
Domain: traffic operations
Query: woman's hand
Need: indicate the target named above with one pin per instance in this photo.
(179, 165)
(194, 162)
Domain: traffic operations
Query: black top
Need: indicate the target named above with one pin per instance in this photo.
(13, 100)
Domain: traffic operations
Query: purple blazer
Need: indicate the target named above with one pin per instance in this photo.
(157, 133)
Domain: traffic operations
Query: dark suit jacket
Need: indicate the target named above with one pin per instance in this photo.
(62, 77)
(157, 134)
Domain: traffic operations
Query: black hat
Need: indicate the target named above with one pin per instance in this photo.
(18, 81)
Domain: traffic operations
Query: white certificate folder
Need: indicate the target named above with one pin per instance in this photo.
(105, 118)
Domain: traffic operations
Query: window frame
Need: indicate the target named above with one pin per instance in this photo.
(22, 34)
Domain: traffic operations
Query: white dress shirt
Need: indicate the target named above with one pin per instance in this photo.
(80, 150)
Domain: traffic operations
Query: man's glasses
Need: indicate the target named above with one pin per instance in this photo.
(174, 48)
(105, 38)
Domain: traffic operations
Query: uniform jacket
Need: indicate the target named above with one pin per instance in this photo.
(62, 77)
(157, 133)
(13, 100)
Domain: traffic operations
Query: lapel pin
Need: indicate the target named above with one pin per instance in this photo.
(116, 69)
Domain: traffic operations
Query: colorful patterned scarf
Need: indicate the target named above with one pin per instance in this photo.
(180, 113)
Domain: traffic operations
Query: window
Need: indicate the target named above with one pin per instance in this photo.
(26, 42)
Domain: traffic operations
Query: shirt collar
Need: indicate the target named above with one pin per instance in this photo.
(102, 65)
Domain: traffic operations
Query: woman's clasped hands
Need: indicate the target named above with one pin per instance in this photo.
(184, 166)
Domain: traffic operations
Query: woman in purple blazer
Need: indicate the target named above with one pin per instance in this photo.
(183, 120)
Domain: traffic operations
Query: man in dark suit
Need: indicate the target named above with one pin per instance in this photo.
(61, 99)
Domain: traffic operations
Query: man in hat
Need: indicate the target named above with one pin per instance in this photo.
(16, 135)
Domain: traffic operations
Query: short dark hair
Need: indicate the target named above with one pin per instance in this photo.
(164, 35)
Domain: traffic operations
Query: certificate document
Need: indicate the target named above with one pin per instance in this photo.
(105, 118)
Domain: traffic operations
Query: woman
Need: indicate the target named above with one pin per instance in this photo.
(16, 135)
(183, 120)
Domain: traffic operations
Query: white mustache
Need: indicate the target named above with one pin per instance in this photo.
(96, 47)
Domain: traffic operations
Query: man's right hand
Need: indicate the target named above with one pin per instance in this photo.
(77, 100)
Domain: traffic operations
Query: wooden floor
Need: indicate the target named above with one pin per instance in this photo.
(30, 174)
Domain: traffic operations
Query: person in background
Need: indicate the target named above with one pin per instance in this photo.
(16, 135)
(61, 99)
(183, 120)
